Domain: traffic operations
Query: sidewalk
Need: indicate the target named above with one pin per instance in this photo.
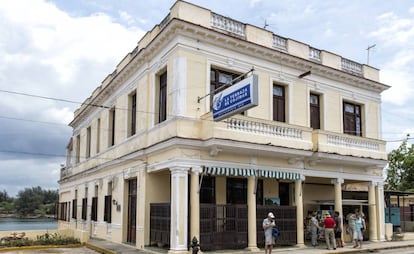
(103, 246)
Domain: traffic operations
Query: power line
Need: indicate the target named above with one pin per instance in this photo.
(63, 156)
(54, 99)
(102, 106)
(33, 121)
(32, 153)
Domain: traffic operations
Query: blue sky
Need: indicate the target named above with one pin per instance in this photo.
(64, 49)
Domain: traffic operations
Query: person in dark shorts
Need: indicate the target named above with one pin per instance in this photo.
(338, 230)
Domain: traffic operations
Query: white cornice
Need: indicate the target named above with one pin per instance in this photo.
(176, 27)
(227, 146)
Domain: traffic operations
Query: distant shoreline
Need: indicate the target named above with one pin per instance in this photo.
(14, 215)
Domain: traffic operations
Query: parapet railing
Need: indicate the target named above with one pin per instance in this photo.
(351, 66)
(228, 24)
(352, 142)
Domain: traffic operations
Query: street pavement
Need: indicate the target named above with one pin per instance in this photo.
(101, 246)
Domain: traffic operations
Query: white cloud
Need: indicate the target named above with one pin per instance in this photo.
(58, 115)
(394, 30)
(395, 34)
(17, 175)
(128, 19)
(60, 42)
(401, 90)
(252, 3)
(47, 52)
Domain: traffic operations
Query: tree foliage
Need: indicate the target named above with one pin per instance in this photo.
(400, 171)
(36, 201)
(5, 197)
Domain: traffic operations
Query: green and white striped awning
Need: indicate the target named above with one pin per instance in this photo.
(227, 171)
(221, 171)
(279, 174)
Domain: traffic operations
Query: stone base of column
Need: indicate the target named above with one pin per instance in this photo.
(178, 251)
(300, 245)
(252, 249)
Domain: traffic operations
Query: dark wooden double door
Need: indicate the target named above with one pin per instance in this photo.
(132, 211)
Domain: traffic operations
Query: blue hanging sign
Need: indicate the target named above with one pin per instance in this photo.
(237, 98)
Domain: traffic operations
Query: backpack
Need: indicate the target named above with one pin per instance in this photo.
(275, 232)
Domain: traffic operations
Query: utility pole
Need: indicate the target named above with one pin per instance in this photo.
(369, 47)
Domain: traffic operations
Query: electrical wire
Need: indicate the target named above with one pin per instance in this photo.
(105, 107)
(52, 98)
(33, 121)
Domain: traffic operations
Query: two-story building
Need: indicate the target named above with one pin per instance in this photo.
(148, 163)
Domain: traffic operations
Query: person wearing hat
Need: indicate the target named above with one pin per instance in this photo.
(268, 224)
(328, 226)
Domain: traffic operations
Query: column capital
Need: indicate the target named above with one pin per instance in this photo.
(337, 181)
(373, 183)
(196, 170)
(178, 170)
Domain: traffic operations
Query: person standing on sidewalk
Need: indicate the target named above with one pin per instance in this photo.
(351, 217)
(329, 225)
(314, 227)
(360, 228)
(268, 224)
(338, 230)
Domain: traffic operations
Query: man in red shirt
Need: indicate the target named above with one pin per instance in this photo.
(329, 225)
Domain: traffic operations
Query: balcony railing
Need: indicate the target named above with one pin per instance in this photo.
(264, 128)
(351, 66)
(315, 54)
(352, 142)
(65, 171)
(228, 24)
(279, 42)
(343, 144)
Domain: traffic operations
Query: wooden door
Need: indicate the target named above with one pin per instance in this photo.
(132, 211)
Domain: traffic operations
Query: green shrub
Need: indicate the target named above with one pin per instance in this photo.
(45, 239)
(55, 239)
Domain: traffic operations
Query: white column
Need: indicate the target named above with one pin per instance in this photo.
(338, 194)
(251, 214)
(372, 211)
(179, 210)
(195, 203)
(380, 211)
(338, 198)
(299, 213)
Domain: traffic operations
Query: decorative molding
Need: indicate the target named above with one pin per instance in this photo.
(337, 181)
(176, 28)
(214, 151)
(196, 170)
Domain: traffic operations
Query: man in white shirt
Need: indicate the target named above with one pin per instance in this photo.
(268, 224)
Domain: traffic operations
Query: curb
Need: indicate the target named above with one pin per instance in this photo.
(99, 249)
(39, 247)
(375, 249)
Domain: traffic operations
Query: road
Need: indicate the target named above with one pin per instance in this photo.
(392, 251)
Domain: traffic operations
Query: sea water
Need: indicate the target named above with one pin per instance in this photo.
(14, 224)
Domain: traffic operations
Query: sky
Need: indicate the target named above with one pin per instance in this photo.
(54, 53)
